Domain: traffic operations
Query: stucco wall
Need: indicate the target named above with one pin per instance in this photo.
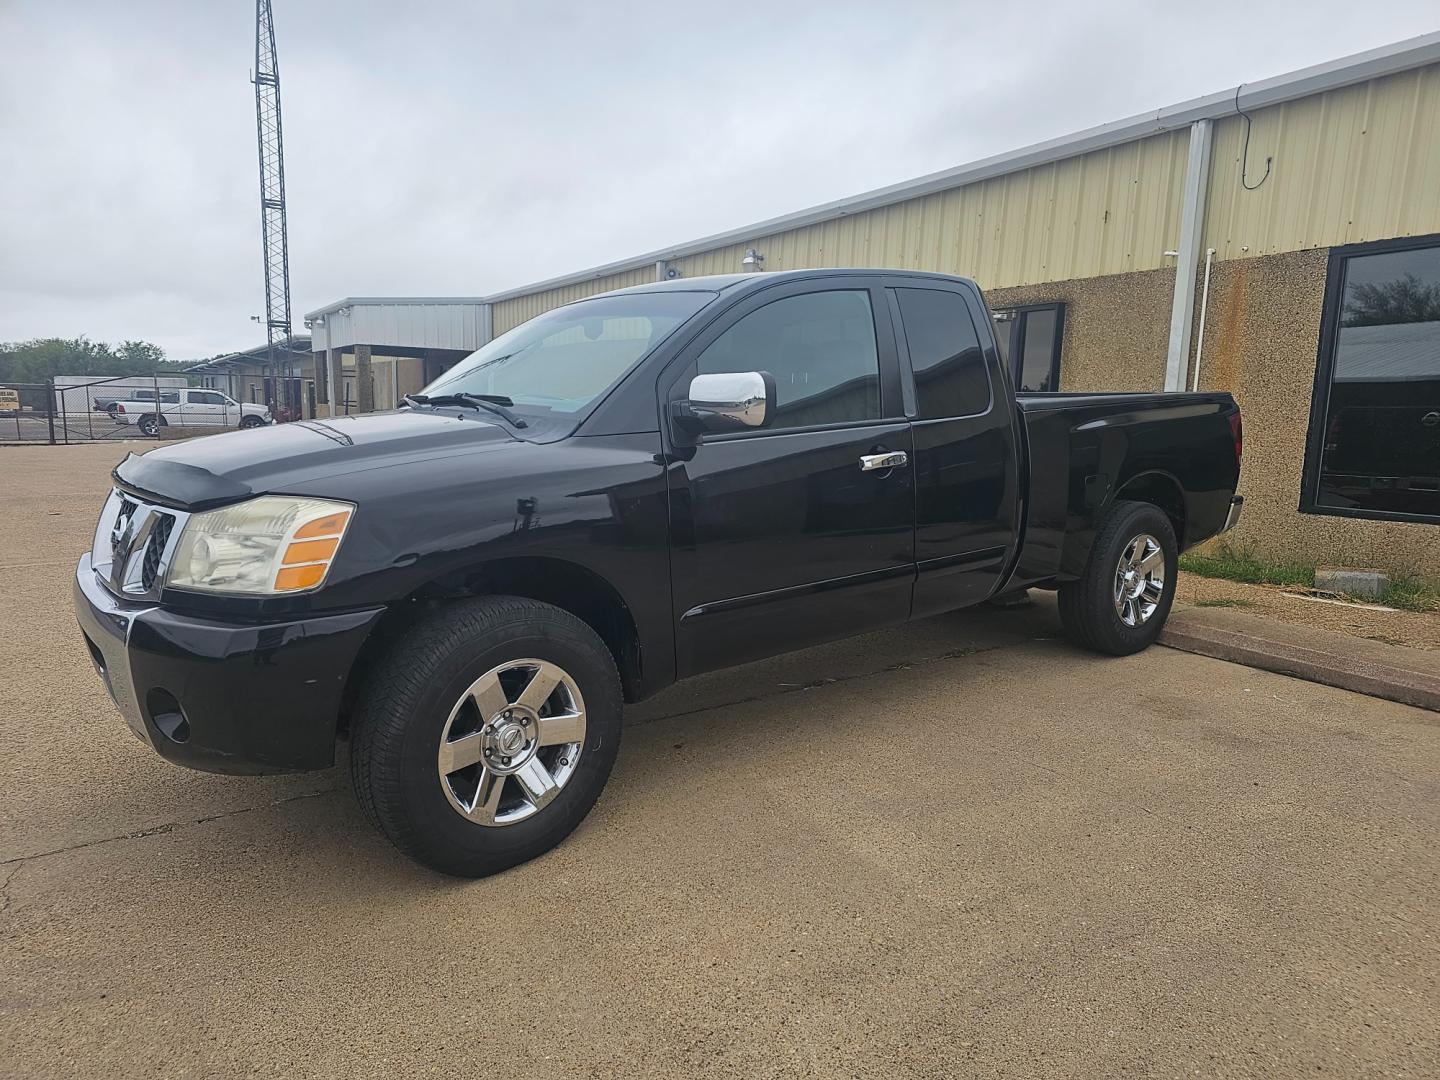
(1116, 327)
(1262, 332)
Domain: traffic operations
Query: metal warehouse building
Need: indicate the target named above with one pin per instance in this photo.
(1300, 272)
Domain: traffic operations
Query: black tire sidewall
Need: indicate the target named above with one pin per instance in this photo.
(447, 840)
(1108, 630)
(149, 427)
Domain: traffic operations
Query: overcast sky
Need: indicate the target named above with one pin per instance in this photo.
(459, 148)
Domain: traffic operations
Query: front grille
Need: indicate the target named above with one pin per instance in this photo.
(133, 543)
(123, 515)
(155, 549)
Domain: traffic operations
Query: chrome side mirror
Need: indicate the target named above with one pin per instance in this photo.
(728, 401)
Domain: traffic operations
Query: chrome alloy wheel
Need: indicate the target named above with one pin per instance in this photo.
(512, 742)
(1139, 580)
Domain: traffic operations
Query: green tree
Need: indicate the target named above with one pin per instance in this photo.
(37, 360)
(1404, 299)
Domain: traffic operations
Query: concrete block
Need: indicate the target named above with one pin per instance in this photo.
(1353, 581)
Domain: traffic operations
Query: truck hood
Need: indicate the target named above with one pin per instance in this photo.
(225, 468)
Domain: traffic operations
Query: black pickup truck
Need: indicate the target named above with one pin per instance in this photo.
(620, 493)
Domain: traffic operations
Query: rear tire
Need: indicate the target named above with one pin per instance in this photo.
(1108, 611)
(420, 714)
(149, 426)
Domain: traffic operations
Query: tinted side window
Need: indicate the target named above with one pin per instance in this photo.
(950, 375)
(205, 398)
(821, 349)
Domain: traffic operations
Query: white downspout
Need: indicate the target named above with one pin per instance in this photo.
(1200, 334)
(1192, 230)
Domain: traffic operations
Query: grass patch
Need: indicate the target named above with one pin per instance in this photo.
(1225, 601)
(1244, 567)
(1405, 591)
(1411, 594)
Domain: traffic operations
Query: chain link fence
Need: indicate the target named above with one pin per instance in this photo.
(83, 409)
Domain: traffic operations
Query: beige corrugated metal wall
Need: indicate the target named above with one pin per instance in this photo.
(1357, 164)
(1354, 164)
(507, 314)
(1102, 213)
(1106, 212)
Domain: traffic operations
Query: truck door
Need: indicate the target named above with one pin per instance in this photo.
(966, 449)
(204, 408)
(784, 535)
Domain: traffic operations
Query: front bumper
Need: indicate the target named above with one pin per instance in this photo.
(222, 697)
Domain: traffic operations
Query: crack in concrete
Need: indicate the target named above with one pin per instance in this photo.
(157, 830)
(5, 898)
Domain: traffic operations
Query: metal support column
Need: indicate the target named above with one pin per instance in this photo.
(1187, 262)
(335, 376)
(364, 380)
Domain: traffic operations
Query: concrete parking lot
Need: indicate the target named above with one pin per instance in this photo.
(959, 848)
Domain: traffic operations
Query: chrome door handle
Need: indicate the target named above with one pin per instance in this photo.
(890, 460)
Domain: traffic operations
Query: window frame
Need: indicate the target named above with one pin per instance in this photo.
(673, 385)
(1324, 379)
(1015, 345)
(902, 341)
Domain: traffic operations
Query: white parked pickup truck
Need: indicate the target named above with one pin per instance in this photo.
(189, 408)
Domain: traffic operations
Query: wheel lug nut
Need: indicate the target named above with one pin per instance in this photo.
(504, 761)
(489, 752)
(564, 761)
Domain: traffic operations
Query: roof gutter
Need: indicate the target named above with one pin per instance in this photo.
(352, 301)
(1332, 75)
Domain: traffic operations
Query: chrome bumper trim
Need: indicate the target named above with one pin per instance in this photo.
(1237, 503)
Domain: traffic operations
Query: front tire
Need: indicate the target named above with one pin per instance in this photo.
(485, 735)
(1120, 604)
(251, 422)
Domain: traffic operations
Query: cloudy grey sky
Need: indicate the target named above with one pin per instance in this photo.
(460, 148)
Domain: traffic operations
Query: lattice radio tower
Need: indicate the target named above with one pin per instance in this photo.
(280, 368)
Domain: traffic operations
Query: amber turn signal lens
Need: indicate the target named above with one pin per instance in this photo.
(291, 578)
(303, 551)
(329, 525)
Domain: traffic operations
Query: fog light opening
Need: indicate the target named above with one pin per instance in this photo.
(95, 654)
(167, 716)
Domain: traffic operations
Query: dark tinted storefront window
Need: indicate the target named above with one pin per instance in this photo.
(1029, 340)
(950, 376)
(1375, 432)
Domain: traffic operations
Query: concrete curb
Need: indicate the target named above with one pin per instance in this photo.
(1393, 672)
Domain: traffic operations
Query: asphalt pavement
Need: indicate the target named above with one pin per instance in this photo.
(961, 848)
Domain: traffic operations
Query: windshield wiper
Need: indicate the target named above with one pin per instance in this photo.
(494, 403)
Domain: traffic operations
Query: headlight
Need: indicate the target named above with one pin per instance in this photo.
(266, 547)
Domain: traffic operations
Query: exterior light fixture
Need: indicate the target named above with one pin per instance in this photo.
(752, 259)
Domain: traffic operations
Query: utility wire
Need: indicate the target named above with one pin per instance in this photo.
(1245, 152)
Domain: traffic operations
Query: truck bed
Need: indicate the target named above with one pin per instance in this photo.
(1085, 450)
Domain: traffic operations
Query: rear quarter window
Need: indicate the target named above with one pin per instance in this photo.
(951, 378)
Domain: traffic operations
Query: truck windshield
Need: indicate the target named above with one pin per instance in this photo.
(559, 363)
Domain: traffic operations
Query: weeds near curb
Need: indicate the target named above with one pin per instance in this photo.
(1405, 591)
